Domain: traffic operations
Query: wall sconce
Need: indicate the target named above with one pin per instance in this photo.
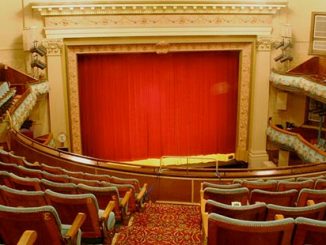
(39, 49)
(277, 58)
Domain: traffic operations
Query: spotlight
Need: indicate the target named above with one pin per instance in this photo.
(39, 64)
(278, 45)
(277, 58)
(286, 45)
(40, 50)
(285, 58)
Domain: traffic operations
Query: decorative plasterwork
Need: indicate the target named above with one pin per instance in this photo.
(294, 142)
(53, 46)
(162, 47)
(160, 7)
(299, 84)
(264, 44)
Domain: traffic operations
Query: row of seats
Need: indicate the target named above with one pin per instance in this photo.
(98, 225)
(103, 194)
(251, 208)
(299, 231)
(137, 196)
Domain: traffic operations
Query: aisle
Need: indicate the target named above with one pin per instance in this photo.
(163, 224)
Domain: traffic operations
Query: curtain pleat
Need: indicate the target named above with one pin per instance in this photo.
(146, 105)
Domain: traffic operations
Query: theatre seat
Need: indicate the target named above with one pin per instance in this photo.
(44, 220)
(21, 198)
(308, 194)
(255, 212)
(269, 185)
(99, 224)
(283, 198)
(67, 188)
(225, 230)
(316, 211)
(227, 196)
(309, 231)
(106, 194)
(219, 186)
(320, 184)
(27, 184)
(296, 185)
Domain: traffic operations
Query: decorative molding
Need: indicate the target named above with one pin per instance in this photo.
(299, 84)
(159, 7)
(264, 44)
(245, 49)
(294, 142)
(53, 46)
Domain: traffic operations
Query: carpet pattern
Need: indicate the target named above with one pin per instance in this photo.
(166, 224)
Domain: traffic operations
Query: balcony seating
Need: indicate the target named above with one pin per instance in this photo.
(227, 196)
(269, 185)
(85, 181)
(309, 231)
(27, 238)
(225, 230)
(61, 178)
(308, 194)
(283, 198)
(65, 188)
(296, 185)
(9, 167)
(219, 186)
(32, 173)
(20, 198)
(44, 220)
(5, 178)
(27, 184)
(316, 211)
(51, 169)
(106, 194)
(98, 226)
(320, 184)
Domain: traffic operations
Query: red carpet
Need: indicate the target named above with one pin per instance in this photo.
(163, 224)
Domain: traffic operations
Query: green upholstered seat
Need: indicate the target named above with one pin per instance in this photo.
(284, 198)
(309, 231)
(309, 194)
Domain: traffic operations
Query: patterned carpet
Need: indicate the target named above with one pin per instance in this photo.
(166, 224)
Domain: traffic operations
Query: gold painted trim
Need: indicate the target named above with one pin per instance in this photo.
(245, 48)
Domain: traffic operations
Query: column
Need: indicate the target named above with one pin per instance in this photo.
(257, 154)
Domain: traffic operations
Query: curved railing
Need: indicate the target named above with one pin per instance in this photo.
(295, 142)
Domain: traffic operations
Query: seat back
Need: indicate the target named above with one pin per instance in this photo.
(5, 178)
(27, 184)
(269, 185)
(220, 186)
(255, 212)
(134, 182)
(69, 205)
(227, 196)
(52, 169)
(296, 185)
(61, 178)
(225, 230)
(309, 231)
(9, 167)
(44, 220)
(320, 184)
(283, 198)
(316, 211)
(31, 173)
(20, 198)
(103, 195)
(85, 181)
(308, 194)
(67, 188)
(99, 177)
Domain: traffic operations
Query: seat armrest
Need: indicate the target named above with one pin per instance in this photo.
(142, 193)
(109, 208)
(125, 199)
(76, 224)
(28, 238)
(205, 224)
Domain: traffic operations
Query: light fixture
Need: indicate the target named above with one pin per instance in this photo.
(285, 58)
(37, 63)
(277, 58)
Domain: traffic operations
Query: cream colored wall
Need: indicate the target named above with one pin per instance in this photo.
(299, 18)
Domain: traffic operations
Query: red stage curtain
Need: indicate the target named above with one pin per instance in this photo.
(145, 105)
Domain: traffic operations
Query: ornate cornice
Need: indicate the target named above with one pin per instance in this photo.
(53, 46)
(159, 7)
(264, 44)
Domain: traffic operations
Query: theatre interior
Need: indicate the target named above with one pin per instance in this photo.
(184, 122)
